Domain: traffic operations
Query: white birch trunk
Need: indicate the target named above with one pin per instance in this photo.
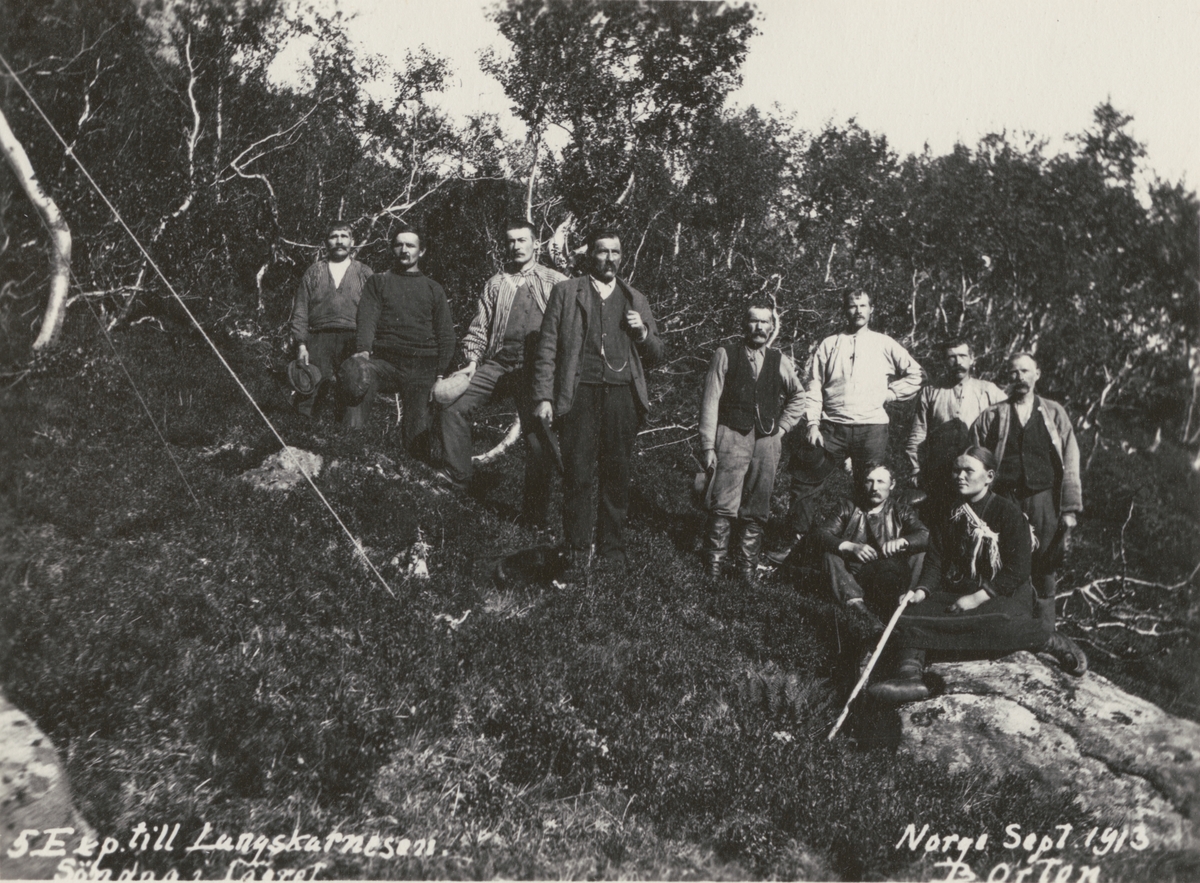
(60, 236)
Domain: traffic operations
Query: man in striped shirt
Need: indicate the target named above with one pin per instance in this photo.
(498, 349)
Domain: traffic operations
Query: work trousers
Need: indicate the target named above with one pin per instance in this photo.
(597, 447)
(879, 583)
(411, 376)
(811, 465)
(490, 380)
(1042, 513)
(742, 483)
(326, 350)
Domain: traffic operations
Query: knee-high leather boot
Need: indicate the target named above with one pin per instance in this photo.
(750, 536)
(716, 544)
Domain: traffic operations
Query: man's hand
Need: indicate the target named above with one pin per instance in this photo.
(814, 436)
(918, 596)
(894, 547)
(860, 551)
(1069, 521)
(470, 369)
(709, 460)
(634, 320)
(544, 411)
(969, 602)
(302, 354)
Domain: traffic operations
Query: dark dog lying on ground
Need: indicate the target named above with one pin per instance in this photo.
(538, 564)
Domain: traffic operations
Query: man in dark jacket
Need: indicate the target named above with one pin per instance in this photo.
(1034, 444)
(874, 547)
(324, 311)
(751, 397)
(590, 381)
(405, 341)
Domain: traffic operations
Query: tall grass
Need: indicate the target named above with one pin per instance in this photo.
(231, 664)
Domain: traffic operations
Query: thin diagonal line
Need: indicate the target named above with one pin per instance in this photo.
(150, 260)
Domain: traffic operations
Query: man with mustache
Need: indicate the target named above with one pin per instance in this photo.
(872, 548)
(941, 425)
(751, 397)
(589, 381)
(323, 313)
(405, 341)
(498, 349)
(853, 375)
(1034, 444)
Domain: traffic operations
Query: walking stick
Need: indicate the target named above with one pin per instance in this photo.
(887, 633)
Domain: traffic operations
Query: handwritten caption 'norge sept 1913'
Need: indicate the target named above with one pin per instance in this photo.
(248, 851)
(1036, 860)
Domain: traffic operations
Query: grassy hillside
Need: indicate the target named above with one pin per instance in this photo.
(227, 662)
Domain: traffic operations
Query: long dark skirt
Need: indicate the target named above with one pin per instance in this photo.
(1000, 625)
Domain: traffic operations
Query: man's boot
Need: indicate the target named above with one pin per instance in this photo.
(749, 542)
(716, 544)
(780, 555)
(908, 684)
(352, 417)
(1067, 654)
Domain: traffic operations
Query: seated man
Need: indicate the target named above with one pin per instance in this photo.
(874, 546)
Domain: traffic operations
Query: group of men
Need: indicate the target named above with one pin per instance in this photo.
(874, 544)
(572, 353)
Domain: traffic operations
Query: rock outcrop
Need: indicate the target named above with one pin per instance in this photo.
(1121, 756)
(284, 470)
(34, 796)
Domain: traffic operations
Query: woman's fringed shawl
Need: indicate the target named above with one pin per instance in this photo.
(981, 537)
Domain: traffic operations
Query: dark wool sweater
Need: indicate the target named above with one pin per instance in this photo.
(406, 314)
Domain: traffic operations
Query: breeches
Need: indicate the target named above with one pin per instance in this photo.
(492, 379)
(411, 376)
(326, 350)
(744, 478)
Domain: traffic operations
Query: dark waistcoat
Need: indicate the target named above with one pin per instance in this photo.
(746, 403)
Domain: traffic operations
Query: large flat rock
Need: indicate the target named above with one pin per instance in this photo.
(1117, 753)
(34, 796)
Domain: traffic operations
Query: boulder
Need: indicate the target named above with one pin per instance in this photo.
(284, 470)
(34, 796)
(1118, 754)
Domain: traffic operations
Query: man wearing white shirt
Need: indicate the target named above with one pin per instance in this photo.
(589, 379)
(324, 312)
(853, 375)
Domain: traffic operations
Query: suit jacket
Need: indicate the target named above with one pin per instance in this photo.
(990, 431)
(558, 364)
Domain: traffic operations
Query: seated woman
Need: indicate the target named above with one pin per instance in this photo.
(974, 596)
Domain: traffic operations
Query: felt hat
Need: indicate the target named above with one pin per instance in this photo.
(449, 390)
(304, 378)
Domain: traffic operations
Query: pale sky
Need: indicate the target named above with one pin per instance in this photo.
(917, 71)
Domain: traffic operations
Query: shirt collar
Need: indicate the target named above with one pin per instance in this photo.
(605, 288)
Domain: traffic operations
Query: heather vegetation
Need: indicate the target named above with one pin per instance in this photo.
(201, 652)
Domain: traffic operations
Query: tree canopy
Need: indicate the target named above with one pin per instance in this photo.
(229, 175)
